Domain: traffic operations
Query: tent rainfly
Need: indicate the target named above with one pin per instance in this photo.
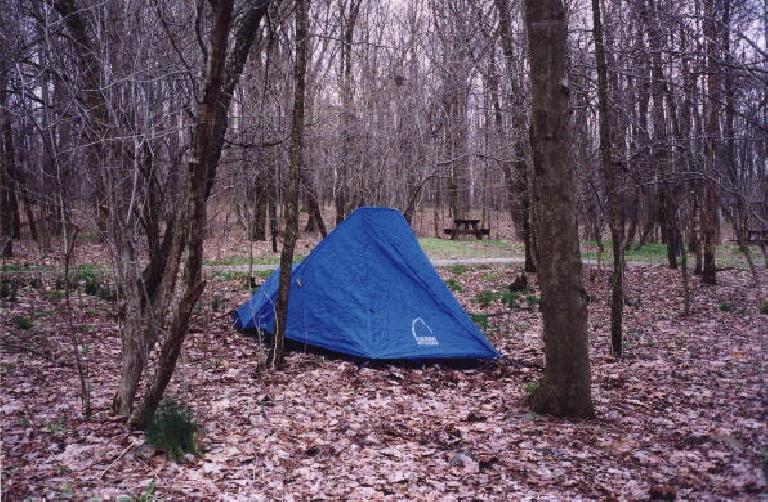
(369, 291)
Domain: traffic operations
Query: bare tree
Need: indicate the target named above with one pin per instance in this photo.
(292, 193)
(565, 388)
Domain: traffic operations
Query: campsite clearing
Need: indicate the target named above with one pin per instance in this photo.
(685, 409)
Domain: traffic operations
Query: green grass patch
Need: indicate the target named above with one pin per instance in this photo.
(24, 267)
(488, 297)
(481, 320)
(458, 269)
(471, 248)
(764, 308)
(726, 255)
(454, 285)
(244, 260)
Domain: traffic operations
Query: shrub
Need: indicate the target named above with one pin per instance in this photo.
(764, 308)
(8, 290)
(22, 322)
(91, 286)
(454, 285)
(172, 430)
(725, 307)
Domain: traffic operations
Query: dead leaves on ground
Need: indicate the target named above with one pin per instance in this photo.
(682, 414)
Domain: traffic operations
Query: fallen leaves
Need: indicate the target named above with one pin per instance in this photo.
(684, 410)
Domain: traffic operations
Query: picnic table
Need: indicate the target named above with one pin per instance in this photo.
(466, 227)
(755, 237)
(759, 237)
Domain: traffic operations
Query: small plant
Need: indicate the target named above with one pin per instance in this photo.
(485, 298)
(481, 320)
(533, 301)
(54, 295)
(148, 495)
(764, 308)
(741, 311)
(458, 269)
(725, 307)
(22, 322)
(66, 491)
(91, 286)
(454, 285)
(531, 387)
(57, 426)
(216, 303)
(107, 293)
(509, 298)
(173, 430)
(8, 290)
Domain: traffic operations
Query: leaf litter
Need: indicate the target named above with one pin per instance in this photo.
(684, 413)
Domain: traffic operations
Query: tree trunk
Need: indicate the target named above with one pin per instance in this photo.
(315, 212)
(7, 196)
(295, 165)
(565, 388)
(709, 209)
(187, 229)
(258, 224)
(610, 170)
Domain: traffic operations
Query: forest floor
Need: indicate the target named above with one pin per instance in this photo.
(684, 411)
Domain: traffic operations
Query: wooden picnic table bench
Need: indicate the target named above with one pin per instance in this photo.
(466, 227)
(759, 237)
(756, 237)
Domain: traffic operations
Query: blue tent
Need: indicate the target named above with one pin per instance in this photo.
(368, 290)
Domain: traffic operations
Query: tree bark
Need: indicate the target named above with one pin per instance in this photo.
(709, 209)
(7, 196)
(565, 388)
(520, 189)
(186, 230)
(610, 169)
(295, 166)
